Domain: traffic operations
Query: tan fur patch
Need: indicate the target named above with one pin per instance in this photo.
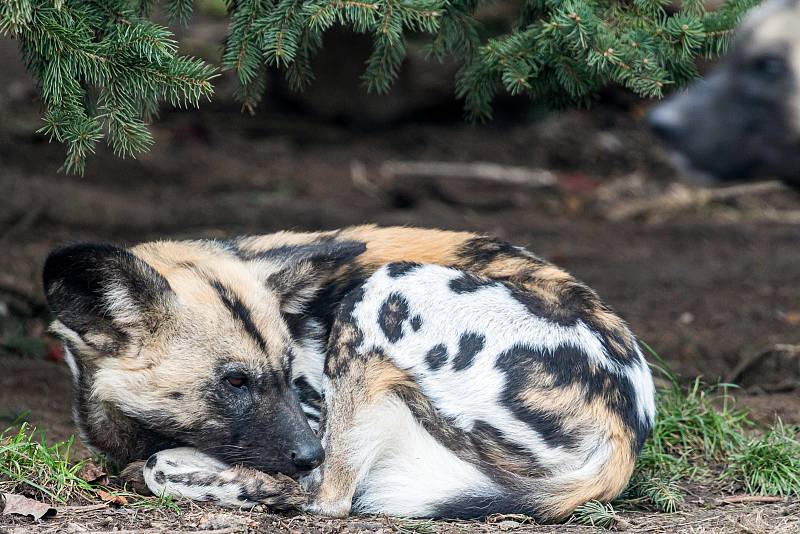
(384, 377)
(612, 476)
(421, 245)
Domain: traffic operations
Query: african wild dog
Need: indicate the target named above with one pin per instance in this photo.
(448, 374)
(743, 120)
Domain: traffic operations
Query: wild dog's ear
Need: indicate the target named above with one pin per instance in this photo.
(298, 272)
(296, 285)
(102, 292)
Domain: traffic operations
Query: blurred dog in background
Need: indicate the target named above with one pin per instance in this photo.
(743, 120)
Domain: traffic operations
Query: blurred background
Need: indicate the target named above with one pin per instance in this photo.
(711, 282)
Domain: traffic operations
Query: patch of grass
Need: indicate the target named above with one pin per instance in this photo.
(28, 465)
(662, 493)
(32, 466)
(768, 465)
(596, 514)
(698, 430)
(696, 427)
(156, 502)
(696, 423)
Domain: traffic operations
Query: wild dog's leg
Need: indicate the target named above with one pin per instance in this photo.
(353, 384)
(333, 485)
(189, 473)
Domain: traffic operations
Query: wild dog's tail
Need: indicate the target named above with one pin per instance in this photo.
(554, 497)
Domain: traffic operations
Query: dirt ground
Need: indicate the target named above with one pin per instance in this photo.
(708, 287)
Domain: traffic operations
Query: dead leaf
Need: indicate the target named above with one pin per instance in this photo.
(111, 498)
(91, 473)
(17, 504)
(133, 477)
(791, 317)
(54, 352)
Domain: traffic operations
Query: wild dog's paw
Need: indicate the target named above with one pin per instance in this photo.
(338, 508)
(277, 492)
(325, 499)
(191, 474)
(133, 477)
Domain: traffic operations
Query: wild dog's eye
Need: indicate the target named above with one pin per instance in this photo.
(236, 380)
(768, 65)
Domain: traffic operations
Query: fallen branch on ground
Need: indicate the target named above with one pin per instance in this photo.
(744, 499)
(749, 360)
(390, 171)
(680, 197)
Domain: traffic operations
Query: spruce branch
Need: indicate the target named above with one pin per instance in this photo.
(103, 68)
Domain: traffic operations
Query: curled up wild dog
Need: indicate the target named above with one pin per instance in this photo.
(367, 370)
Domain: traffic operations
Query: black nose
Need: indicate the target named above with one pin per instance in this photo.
(308, 456)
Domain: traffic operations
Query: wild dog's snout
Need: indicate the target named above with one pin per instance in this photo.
(283, 439)
(307, 455)
(303, 449)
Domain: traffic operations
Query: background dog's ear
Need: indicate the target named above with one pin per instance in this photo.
(102, 292)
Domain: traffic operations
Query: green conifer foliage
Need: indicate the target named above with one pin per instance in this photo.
(104, 67)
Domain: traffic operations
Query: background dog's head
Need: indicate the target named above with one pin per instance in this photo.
(179, 343)
(743, 120)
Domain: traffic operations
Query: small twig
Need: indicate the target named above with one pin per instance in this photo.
(739, 499)
(80, 509)
(659, 528)
(476, 170)
(360, 178)
(519, 518)
(780, 216)
(788, 384)
(679, 197)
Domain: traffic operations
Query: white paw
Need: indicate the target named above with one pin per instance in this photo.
(331, 509)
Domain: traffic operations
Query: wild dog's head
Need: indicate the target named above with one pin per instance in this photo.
(180, 343)
(743, 120)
